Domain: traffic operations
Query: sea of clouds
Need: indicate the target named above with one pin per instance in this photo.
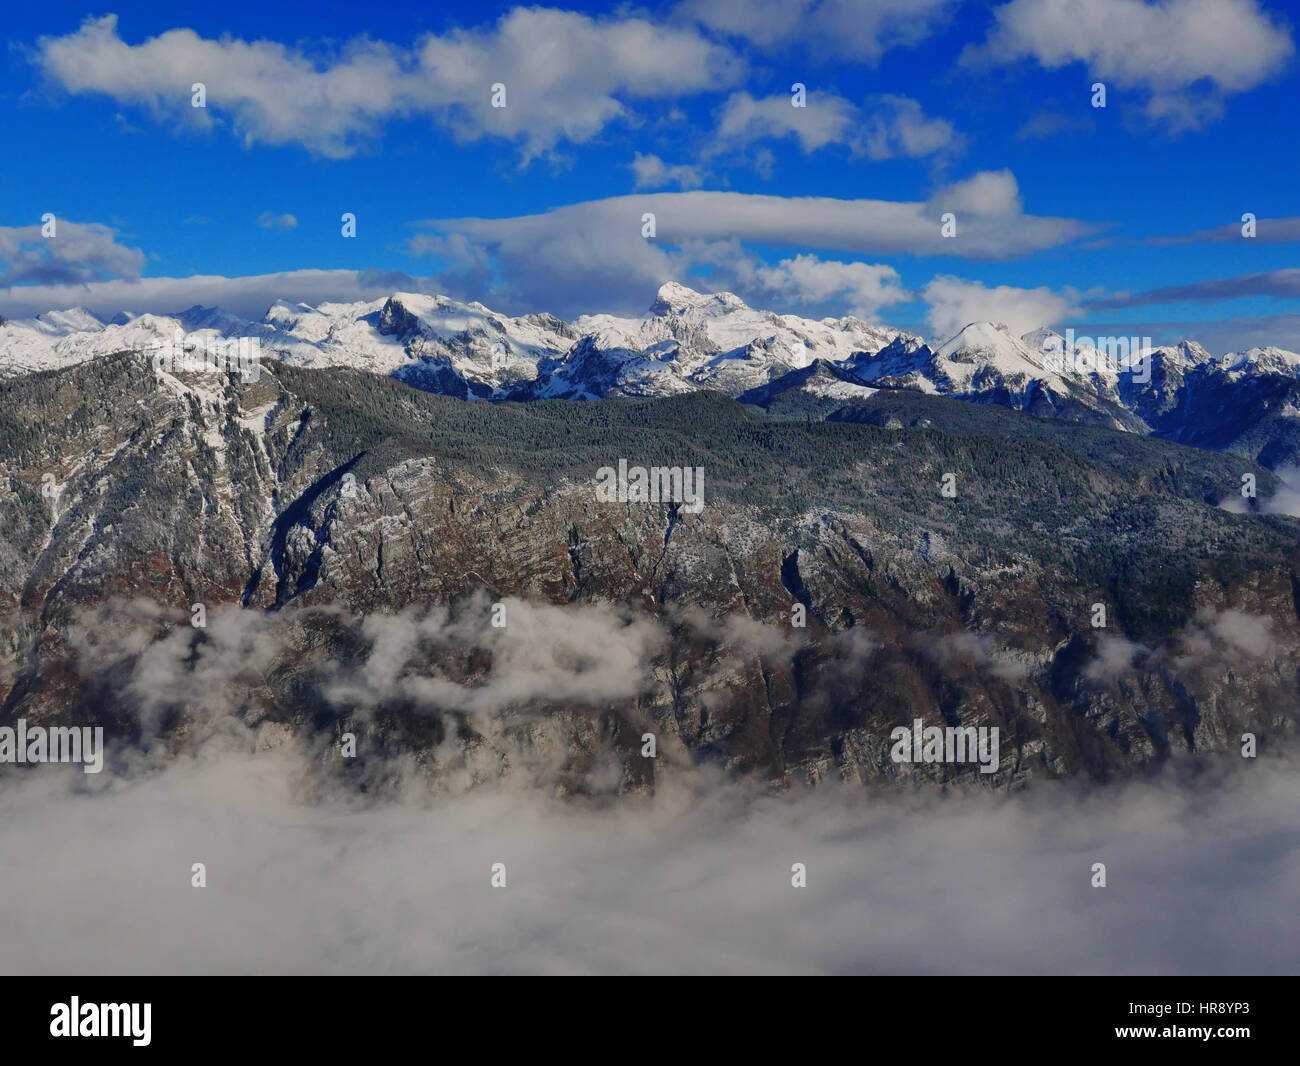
(306, 875)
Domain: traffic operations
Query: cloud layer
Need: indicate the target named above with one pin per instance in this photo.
(1200, 875)
(593, 254)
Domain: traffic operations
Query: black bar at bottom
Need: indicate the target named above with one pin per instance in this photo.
(341, 1014)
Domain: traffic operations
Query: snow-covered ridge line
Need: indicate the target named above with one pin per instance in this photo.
(686, 341)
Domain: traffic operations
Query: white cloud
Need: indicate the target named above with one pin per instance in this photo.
(1115, 657)
(1186, 55)
(990, 192)
(77, 253)
(1286, 500)
(891, 126)
(897, 127)
(591, 255)
(593, 654)
(861, 289)
(864, 288)
(248, 296)
(674, 881)
(955, 303)
(270, 220)
(653, 173)
(826, 119)
(1219, 640)
(860, 30)
(566, 77)
(969, 883)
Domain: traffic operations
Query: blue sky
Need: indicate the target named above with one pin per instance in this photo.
(1123, 217)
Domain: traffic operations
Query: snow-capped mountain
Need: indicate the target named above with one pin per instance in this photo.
(686, 341)
(1267, 360)
(987, 363)
(689, 341)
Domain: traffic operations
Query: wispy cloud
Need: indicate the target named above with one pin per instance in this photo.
(861, 30)
(1278, 283)
(1266, 231)
(270, 220)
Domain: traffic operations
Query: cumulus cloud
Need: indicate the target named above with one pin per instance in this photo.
(861, 30)
(653, 173)
(76, 253)
(445, 658)
(1185, 55)
(827, 119)
(954, 303)
(890, 126)
(862, 289)
(988, 193)
(566, 77)
(1215, 639)
(776, 643)
(1284, 500)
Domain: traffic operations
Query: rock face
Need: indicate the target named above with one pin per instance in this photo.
(347, 538)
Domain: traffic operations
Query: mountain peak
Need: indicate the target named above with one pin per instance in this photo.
(1038, 338)
(70, 320)
(674, 298)
(980, 335)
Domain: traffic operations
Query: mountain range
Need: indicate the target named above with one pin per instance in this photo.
(322, 550)
(1245, 402)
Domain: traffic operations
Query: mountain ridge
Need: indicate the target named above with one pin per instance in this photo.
(311, 510)
(690, 340)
